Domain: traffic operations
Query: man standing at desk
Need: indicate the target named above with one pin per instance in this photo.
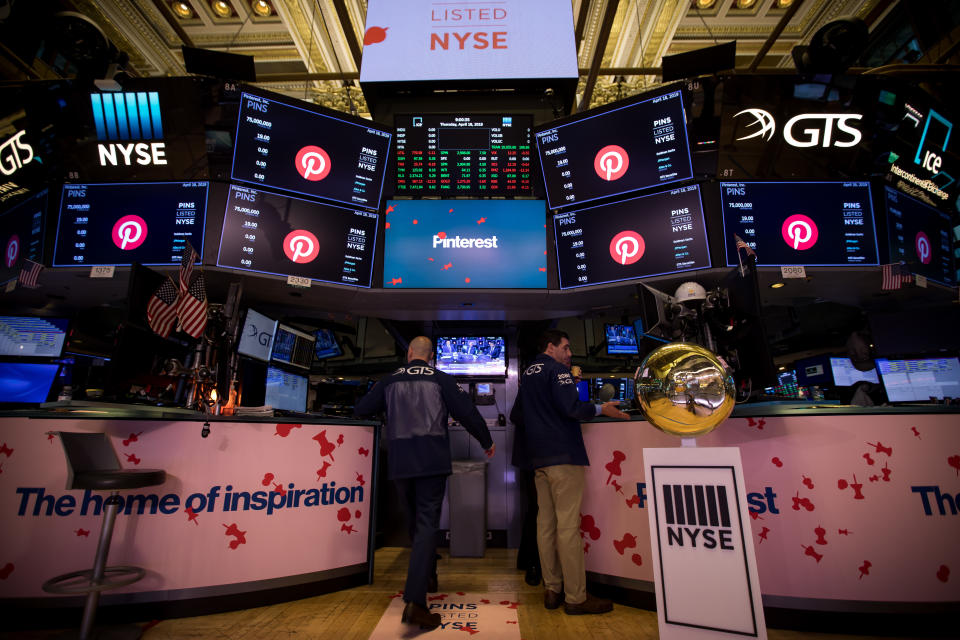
(549, 412)
(417, 399)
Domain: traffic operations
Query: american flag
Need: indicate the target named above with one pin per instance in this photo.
(186, 267)
(894, 275)
(162, 308)
(743, 245)
(192, 308)
(29, 272)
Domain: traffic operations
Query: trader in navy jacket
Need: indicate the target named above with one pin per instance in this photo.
(417, 399)
(548, 411)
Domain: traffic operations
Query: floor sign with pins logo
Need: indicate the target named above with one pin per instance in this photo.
(494, 615)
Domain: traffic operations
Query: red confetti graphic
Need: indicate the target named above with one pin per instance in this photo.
(485, 601)
(802, 502)
(326, 447)
(469, 630)
(586, 547)
(322, 472)
(450, 211)
(396, 281)
(133, 458)
(461, 593)
(133, 438)
(443, 234)
(882, 449)
(357, 514)
(512, 622)
(446, 266)
(386, 225)
(954, 461)
(629, 542)
(430, 259)
(865, 568)
(542, 269)
(278, 488)
(821, 535)
(6, 571)
(360, 479)
(4, 449)
(267, 479)
(763, 534)
(857, 493)
(389, 210)
(915, 432)
(867, 457)
(82, 532)
(632, 501)
(617, 487)
(440, 596)
(481, 220)
(192, 516)
(415, 221)
(843, 532)
(886, 471)
(283, 429)
(588, 526)
(364, 452)
(467, 280)
(874, 478)
(810, 551)
(943, 573)
(755, 515)
(340, 440)
(614, 465)
(240, 537)
(777, 462)
(758, 424)
(807, 482)
(343, 515)
(637, 559)
(50, 437)
(399, 594)
(348, 528)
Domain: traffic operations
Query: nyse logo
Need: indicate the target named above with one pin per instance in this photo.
(807, 129)
(128, 116)
(698, 515)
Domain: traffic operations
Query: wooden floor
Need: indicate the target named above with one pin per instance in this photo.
(352, 614)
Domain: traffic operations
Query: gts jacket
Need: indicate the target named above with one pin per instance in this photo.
(417, 399)
(548, 413)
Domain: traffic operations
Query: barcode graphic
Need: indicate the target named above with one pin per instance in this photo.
(696, 504)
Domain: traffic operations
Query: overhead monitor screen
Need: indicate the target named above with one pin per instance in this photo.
(621, 339)
(26, 382)
(299, 147)
(287, 391)
(846, 375)
(646, 236)
(292, 347)
(122, 223)
(257, 337)
(920, 237)
(21, 235)
(800, 223)
(463, 155)
(465, 244)
(326, 345)
(920, 380)
(621, 149)
(472, 355)
(30, 336)
(270, 233)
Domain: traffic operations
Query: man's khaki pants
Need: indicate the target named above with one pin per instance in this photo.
(559, 495)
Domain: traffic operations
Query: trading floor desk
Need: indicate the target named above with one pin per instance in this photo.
(259, 511)
(852, 510)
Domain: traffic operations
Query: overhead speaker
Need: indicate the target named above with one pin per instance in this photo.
(700, 62)
(227, 66)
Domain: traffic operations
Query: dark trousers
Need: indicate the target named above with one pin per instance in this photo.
(528, 555)
(421, 499)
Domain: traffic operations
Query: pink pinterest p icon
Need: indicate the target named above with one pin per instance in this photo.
(301, 246)
(129, 232)
(800, 232)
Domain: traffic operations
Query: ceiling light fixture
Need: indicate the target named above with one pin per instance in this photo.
(221, 8)
(777, 285)
(182, 10)
(745, 4)
(783, 4)
(705, 4)
(262, 8)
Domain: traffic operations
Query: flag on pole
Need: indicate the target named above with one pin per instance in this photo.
(186, 267)
(894, 275)
(162, 308)
(192, 308)
(29, 272)
(743, 245)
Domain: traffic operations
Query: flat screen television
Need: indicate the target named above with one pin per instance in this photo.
(626, 146)
(800, 223)
(292, 347)
(285, 390)
(621, 339)
(460, 154)
(920, 236)
(269, 233)
(32, 336)
(21, 235)
(920, 379)
(26, 382)
(326, 345)
(122, 223)
(644, 236)
(623, 388)
(846, 375)
(478, 356)
(256, 339)
(465, 244)
(296, 146)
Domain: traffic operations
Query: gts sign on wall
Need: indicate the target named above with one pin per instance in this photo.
(807, 129)
(123, 118)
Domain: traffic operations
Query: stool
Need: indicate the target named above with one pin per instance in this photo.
(93, 464)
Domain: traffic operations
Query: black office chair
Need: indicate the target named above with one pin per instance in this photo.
(93, 464)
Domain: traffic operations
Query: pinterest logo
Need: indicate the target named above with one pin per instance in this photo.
(800, 232)
(313, 163)
(627, 247)
(611, 162)
(301, 246)
(924, 250)
(129, 232)
(11, 251)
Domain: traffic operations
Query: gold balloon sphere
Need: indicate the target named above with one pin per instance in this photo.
(684, 389)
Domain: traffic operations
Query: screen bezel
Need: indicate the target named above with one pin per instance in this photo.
(472, 376)
(925, 400)
(296, 332)
(272, 335)
(306, 379)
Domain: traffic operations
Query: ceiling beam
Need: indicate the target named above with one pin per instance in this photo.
(581, 22)
(777, 30)
(346, 26)
(602, 37)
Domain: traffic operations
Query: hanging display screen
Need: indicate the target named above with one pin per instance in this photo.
(920, 237)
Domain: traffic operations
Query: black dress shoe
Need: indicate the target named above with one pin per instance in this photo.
(432, 585)
(552, 599)
(532, 577)
(414, 613)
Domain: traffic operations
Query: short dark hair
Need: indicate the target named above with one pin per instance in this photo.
(551, 336)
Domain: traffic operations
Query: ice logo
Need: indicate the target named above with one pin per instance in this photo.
(12, 251)
(611, 162)
(312, 163)
(627, 247)
(800, 232)
(924, 250)
(129, 232)
(301, 246)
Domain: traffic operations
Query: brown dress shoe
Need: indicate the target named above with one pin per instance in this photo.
(414, 613)
(591, 605)
(552, 599)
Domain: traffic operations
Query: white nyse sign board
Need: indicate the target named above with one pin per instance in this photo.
(704, 567)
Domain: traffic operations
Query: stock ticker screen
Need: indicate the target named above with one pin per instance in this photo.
(636, 238)
(463, 155)
(920, 236)
(627, 148)
(308, 150)
(280, 235)
(21, 234)
(122, 223)
(800, 223)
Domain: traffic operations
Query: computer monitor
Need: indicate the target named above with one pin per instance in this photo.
(26, 382)
(285, 390)
(472, 355)
(846, 375)
(32, 337)
(256, 340)
(621, 339)
(623, 388)
(292, 347)
(326, 345)
(786, 387)
(920, 379)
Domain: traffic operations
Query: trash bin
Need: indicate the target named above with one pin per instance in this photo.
(467, 500)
